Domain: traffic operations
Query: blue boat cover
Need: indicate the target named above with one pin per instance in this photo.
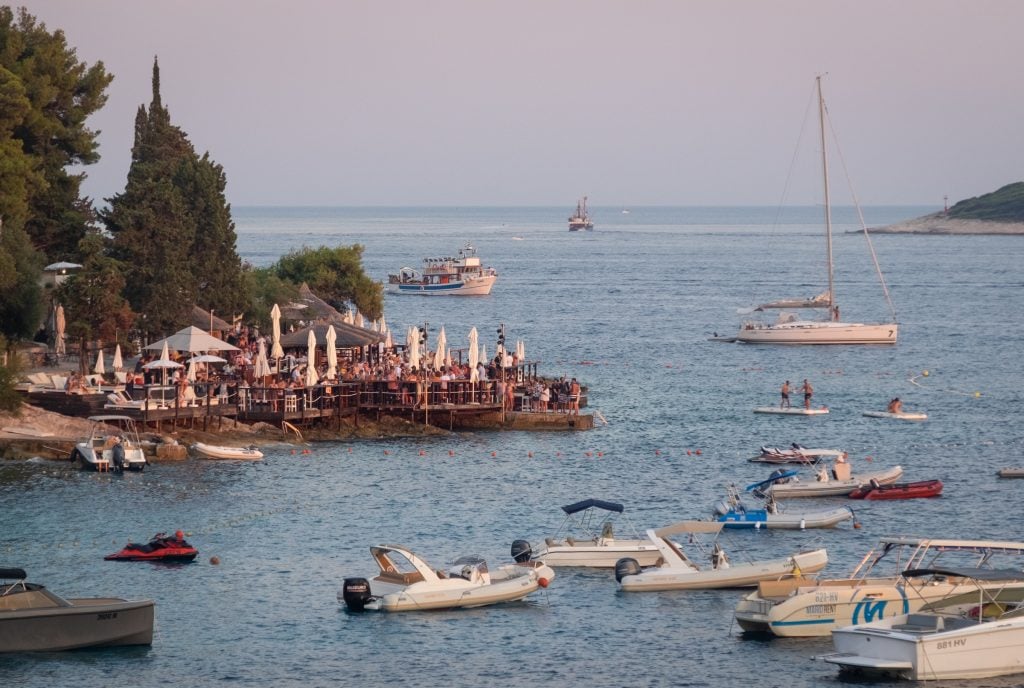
(769, 481)
(596, 503)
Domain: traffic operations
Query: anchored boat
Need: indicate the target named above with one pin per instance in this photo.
(733, 513)
(106, 449)
(211, 451)
(587, 538)
(580, 219)
(461, 275)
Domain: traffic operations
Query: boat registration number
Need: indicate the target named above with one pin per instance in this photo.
(106, 616)
(949, 644)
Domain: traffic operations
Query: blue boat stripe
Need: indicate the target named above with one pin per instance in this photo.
(801, 623)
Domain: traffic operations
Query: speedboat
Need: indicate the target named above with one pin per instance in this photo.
(974, 634)
(872, 591)
(98, 451)
(212, 451)
(837, 481)
(587, 538)
(733, 513)
(796, 454)
(34, 619)
(921, 488)
(462, 275)
(408, 583)
(677, 571)
(160, 548)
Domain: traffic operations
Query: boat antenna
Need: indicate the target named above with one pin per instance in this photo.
(828, 206)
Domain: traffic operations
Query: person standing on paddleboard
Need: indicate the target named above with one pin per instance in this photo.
(785, 395)
(808, 393)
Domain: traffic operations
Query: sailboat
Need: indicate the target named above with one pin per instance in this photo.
(788, 328)
(580, 219)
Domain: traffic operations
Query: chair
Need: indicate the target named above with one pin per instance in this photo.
(291, 403)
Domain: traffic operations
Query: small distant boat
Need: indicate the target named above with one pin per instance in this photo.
(1011, 473)
(794, 411)
(587, 538)
(211, 451)
(461, 275)
(921, 488)
(795, 454)
(34, 619)
(164, 548)
(902, 415)
(580, 219)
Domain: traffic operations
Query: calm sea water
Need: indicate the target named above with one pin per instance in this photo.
(627, 309)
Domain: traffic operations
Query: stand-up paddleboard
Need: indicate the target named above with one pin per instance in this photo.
(902, 415)
(791, 411)
(1011, 473)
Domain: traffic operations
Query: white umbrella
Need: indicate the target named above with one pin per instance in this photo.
(413, 341)
(483, 353)
(118, 362)
(332, 352)
(442, 344)
(448, 357)
(275, 317)
(62, 266)
(474, 355)
(163, 362)
(98, 368)
(359, 321)
(383, 325)
(347, 318)
(207, 358)
(192, 339)
(59, 324)
(311, 376)
(521, 350)
(191, 373)
(260, 367)
(389, 343)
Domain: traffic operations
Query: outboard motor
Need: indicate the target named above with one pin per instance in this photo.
(522, 552)
(356, 593)
(627, 566)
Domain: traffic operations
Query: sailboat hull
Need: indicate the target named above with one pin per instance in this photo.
(809, 332)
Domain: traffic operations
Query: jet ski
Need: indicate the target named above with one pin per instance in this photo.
(161, 548)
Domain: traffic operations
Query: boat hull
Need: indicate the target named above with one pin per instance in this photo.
(475, 287)
(759, 518)
(834, 488)
(209, 451)
(1011, 473)
(100, 622)
(733, 576)
(507, 584)
(597, 555)
(920, 489)
(814, 332)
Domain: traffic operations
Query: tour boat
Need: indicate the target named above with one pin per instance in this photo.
(921, 488)
(580, 219)
(733, 513)
(902, 415)
(790, 329)
(837, 482)
(677, 571)
(211, 451)
(461, 275)
(974, 634)
(97, 452)
(873, 590)
(34, 619)
(795, 454)
(587, 538)
(160, 548)
(408, 583)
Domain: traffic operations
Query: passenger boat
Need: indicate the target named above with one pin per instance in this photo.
(580, 219)
(34, 619)
(902, 415)
(461, 275)
(587, 537)
(872, 591)
(921, 488)
(733, 513)
(677, 571)
(408, 583)
(796, 454)
(98, 451)
(161, 548)
(212, 451)
(974, 634)
(836, 481)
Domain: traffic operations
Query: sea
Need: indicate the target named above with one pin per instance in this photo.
(631, 310)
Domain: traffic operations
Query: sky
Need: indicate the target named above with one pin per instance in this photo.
(538, 102)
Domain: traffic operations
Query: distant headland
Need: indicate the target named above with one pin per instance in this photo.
(999, 212)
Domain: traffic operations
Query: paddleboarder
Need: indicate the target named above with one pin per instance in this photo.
(808, 393)
(785, 395)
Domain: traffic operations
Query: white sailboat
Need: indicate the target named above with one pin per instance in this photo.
(789, 328)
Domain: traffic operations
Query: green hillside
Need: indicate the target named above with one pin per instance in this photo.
(1004, 205)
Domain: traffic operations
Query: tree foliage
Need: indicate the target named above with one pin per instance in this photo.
(336, 275)
(1003, 205)
(265, 288)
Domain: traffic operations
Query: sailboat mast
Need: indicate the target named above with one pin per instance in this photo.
(828, 205)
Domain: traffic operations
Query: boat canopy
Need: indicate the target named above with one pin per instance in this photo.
(690, 527)
(772, 479)
(9, 574)
(593, 503)
(975, 573)
(104, 419)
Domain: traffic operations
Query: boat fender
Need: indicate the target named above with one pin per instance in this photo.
(522, 552)
(627, 566)
(356, 593)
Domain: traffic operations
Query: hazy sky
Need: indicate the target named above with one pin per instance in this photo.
(536, 102)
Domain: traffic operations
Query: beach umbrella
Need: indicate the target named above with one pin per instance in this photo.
(207, 358)
(332, 352)
(383, 325)
(442, 344)
(483, 353)
(118, 362)
(192, 339)
(311, 376)
(275, 318)
(61, 266)
(98, 368)
(260, 367)
(521, 350)
(190, 374)
(389, 343)
(474, 355)
(359, 320)
(59, 324)
(413, 342)
(164, 362)
(448, 357)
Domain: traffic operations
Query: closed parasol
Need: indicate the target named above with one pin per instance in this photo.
(332, 353)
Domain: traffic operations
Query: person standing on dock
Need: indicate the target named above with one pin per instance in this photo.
(808, 393)
(785, 395)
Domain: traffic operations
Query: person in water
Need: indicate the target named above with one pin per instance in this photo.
(117, 454)
(785, 395)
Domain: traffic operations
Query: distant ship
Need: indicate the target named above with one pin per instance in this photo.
(580, 219)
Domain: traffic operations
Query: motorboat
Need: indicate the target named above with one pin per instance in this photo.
(212, 451)
(100, 451)
(791, 328)
(901, 415)
(173, 549)
(872, 590)
(35, 619)
(974, 634)
(580, 219)
(461, 275)
(733, 513)
(587, 537)
(406, 582)
(796, 454)
(675, 570)
(914, 490)
(828, 482)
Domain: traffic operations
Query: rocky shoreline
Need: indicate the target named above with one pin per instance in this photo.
(939, 223)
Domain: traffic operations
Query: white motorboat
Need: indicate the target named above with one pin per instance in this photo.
(977, 634)
(677, 571)
(587, 538)
(828, 482)
(34, 619)
(100, 451)
(733, 513)
(872, 591)
(462, 275)
(796, 454)
(408, 583)
(790, 329)
(902, 415)
(212, 451)
(580, 219)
